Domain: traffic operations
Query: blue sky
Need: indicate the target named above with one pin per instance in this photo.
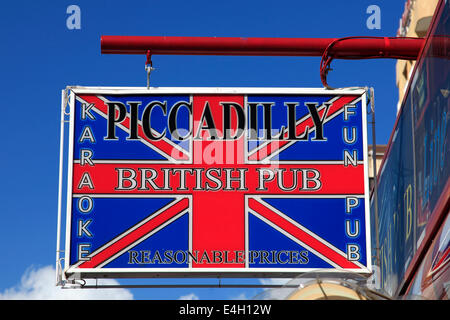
(40, 56)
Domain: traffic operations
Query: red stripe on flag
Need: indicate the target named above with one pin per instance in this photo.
(218, 219)
(334, 178)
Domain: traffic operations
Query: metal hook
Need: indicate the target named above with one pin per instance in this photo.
(149, 67)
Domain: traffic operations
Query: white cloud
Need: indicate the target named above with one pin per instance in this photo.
(241, 296)
(275, 293)
(190, 296)
(279, 281)
(39, 284)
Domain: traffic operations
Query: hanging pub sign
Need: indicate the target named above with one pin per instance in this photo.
(200, 182)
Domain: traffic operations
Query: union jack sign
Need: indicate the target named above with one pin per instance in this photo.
(216, 181)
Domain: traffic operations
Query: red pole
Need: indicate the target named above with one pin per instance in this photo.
(352, 47)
